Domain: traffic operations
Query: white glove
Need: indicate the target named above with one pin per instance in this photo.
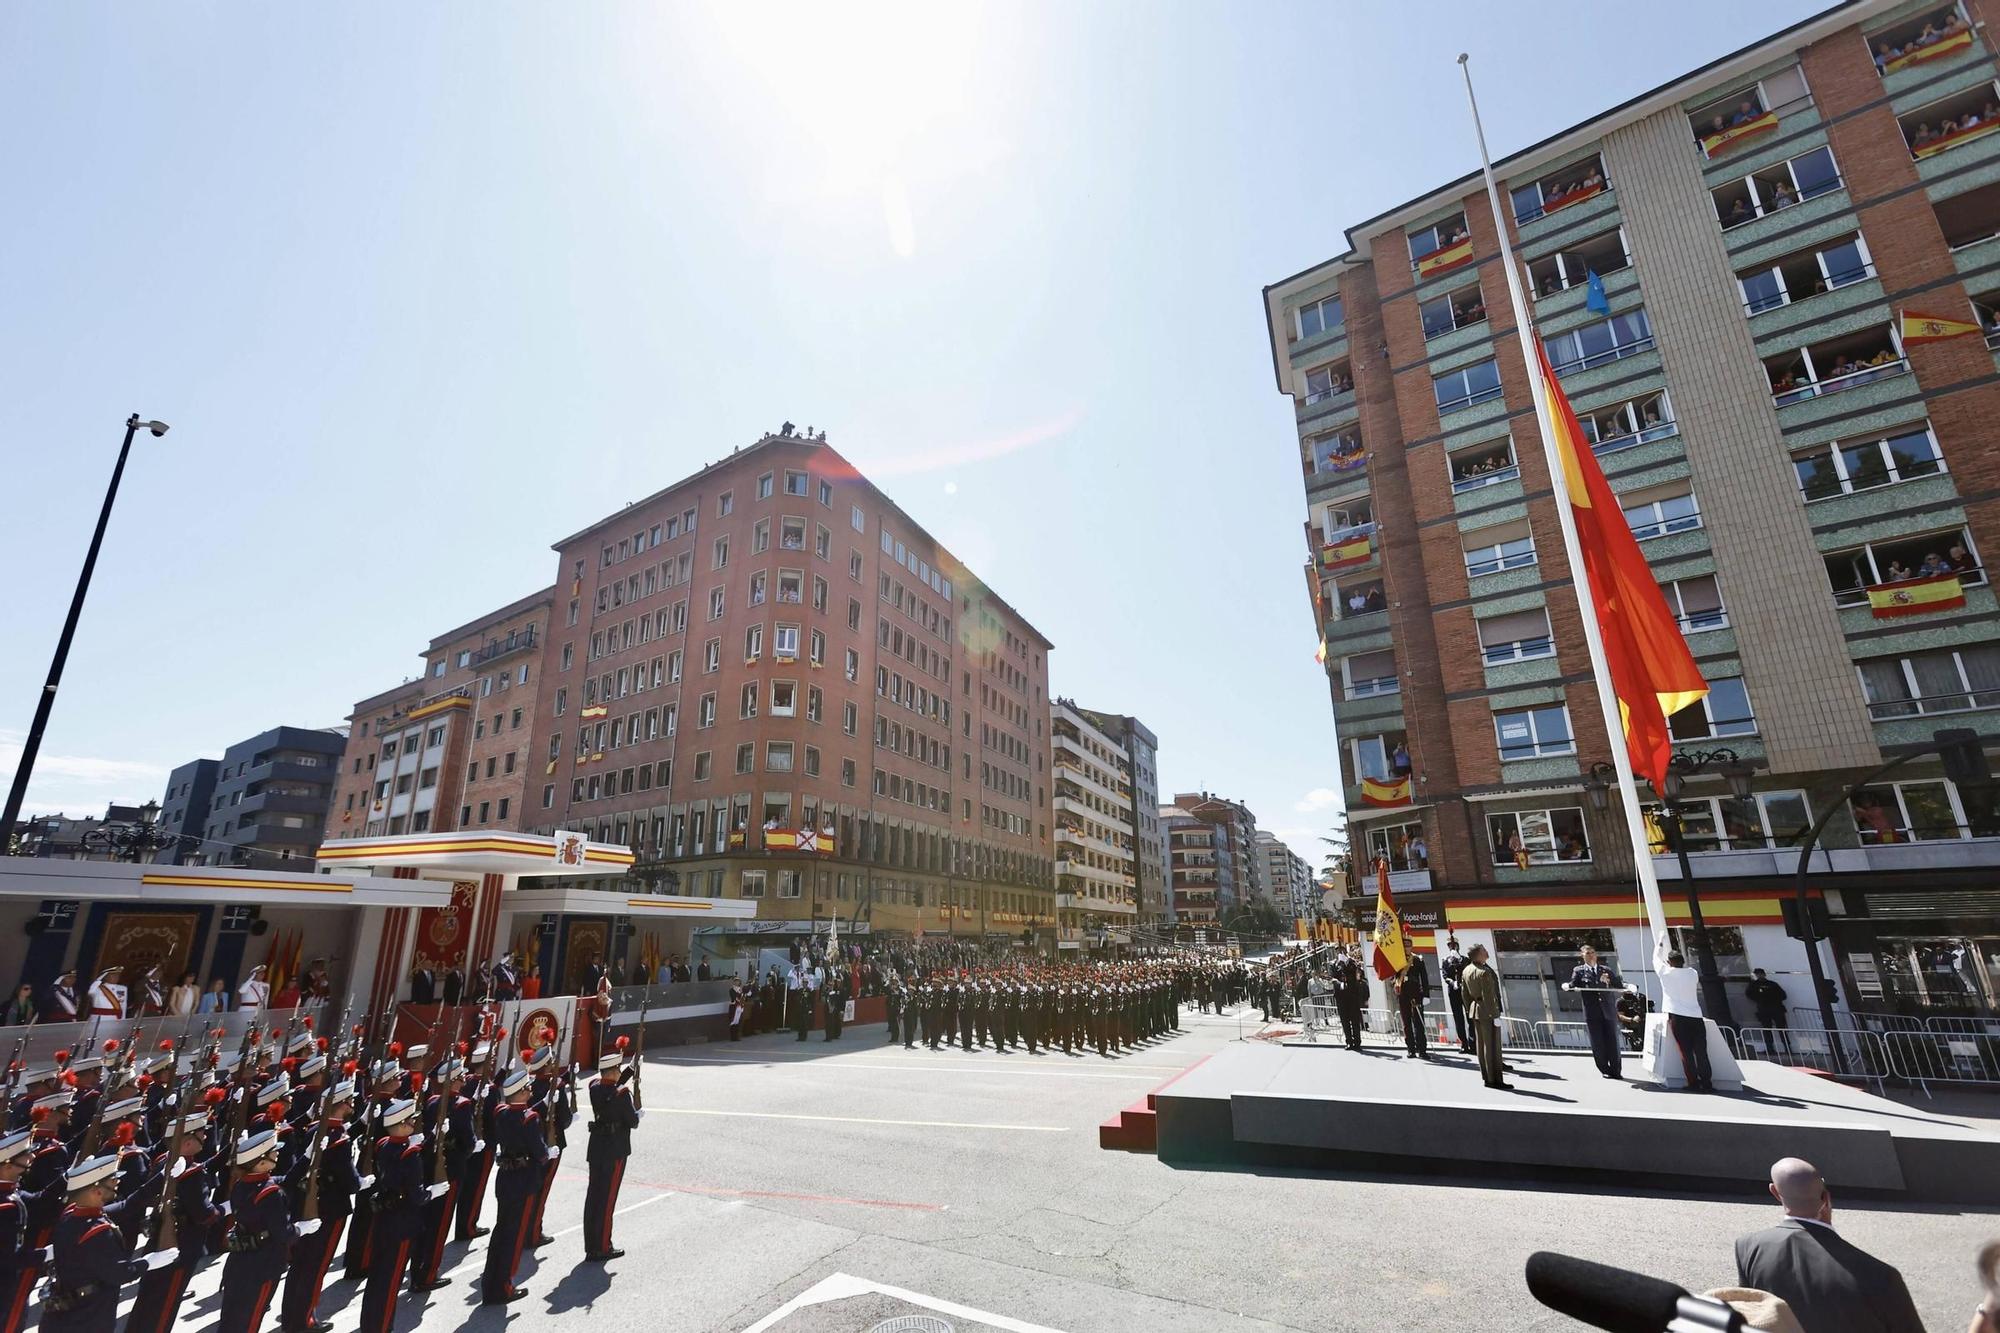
(367, 1182)
(305, 1228)
(639, 1113)
(48, 1253)
(415, 1140)
(225, 1207)
(478, 1147)
(178, 1169)
(160, 1259)
(437, 1191)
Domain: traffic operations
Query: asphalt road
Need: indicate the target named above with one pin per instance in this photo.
(767, 1167)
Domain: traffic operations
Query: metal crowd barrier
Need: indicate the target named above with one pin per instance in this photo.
(1857, 1021)
(41, 1041)
(1841, 1052)
(1928, 1057)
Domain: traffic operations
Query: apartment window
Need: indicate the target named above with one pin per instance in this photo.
(826, 494)
(465, 658)
(1469, 387)
(501, 812)
(1523, 838)
(852, 669)
(760, 537)
(812, 761)
(711, 656)
(1635, 421)
(484, 808)
(1452, 311)
(1322, 316)
(847, 772)
(1746, 112)
(725, 504)
(428, 778)
(1559, 189)
(1920, 39)
(1827, 470)
(1534, 733)
(704, 765)
(1492, 550)
(1918, 811)
(1433, 249)
(822, 541)
(1854, 573)
(854, 565)
(797, 483)
(1601, 343)
(1696, 603)
(548, 795)
(1767, 820)
(1776, 188)
(715, 599)
(1573, 265)
(746, 757)
(777, 756)
(720, 554)
(1518, 637)
(1371, 674)
(791, 587)
(849, 716)
(764, 486)
(568, 656)
(1381, 757)
(785, 643)
(788, 883)
(817, 655)
(1324, 382)
(1807, 273)
(1654, 515)
(747, 704)
(758, 586)
(857, 519)
(1951, 121)
(753, 884)
(1725, 711)
(1942, 680)
(704, 712)
(813, 703)
(784, 698)
(1480, 465)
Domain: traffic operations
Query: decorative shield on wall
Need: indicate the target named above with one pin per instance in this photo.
(136, 941)
(444, 932)
(587, 940)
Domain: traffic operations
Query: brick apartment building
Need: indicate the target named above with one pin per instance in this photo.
(1212, 860)
(772, 683)
(1756, 228)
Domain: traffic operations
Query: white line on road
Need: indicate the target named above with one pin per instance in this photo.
(630, 1208)
(961, 1067)
(855, 1120)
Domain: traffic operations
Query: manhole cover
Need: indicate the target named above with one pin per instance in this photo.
(912, 1323)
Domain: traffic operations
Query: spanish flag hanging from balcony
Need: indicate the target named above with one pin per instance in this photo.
(1345, 554)
(1914, 597)
(1446, 259)
(593, 710)
(1392, 946)
(1383, 792)
(1714, 143)
(1933, 328)
(1652, 673)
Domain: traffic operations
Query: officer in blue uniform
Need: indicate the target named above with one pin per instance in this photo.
(1596, 983)
(484, 1091)
(92, 1263)
(397, 1206)
(47, 1167)
(521, 1156)
(260, 1237)
(19, 1266)
(312, 1252)
(161, 1289)
(555, 1098)
(614, 1114)
(448, 1130)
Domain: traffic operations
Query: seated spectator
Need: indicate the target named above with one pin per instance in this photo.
(1898, 572)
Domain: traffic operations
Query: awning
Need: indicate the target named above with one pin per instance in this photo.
(476, 852)
(643, 906)
(30, 877)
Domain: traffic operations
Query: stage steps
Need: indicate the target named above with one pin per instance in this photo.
(1137, 1127)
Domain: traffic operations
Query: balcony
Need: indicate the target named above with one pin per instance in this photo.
(1410, 881)
(1948, 125)
(1922, 47)
(1837, 365)
(519, 641)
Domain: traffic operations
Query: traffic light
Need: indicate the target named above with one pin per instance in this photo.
(1829, 992)
(1816, 918)
(1964, 757)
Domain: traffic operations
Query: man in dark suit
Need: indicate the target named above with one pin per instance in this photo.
(423, 986)
(1831, 1284)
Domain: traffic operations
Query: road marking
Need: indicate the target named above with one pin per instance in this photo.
(855, 1120)
(629, 1208)
(718, 1192)
(920, 1058)
(959, 1067)
(840, 1286)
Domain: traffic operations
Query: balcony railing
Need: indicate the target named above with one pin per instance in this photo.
(1606, 357)
(518, 642)
(1798, 393)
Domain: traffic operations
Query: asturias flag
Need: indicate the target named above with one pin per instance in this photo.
(1392, 947)
(1652, 672)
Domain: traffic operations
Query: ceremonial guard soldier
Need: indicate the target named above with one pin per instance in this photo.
(963, 993)
(92, 1263)
(19, 1266)
(555, 1100)
(43, 1185)
(892, 997)
(182, 1223)
(614, 1114)
(522, 1157)
(383, 1080)
(260, 1235)
(834, 994)
(323, 1183)
(396, 1205)
(484, 1090)
(449, 1117)
(913, 1008)
(1350, 996)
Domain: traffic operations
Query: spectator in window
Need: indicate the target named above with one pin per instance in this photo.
(1594, 181)
(1746, 113)
(1782, 196)
(1884, 53)
(1399, 760)
(1961, 560)
(1934, 565)
(1573, 848)
(1357, 603)
(1925, 134)
(1375, 600)
(1873, 820)
(1420, 853)
(1717, 126)
(1740, 210)
(1899, 572)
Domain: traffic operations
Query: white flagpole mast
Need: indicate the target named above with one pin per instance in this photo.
(1614, 725)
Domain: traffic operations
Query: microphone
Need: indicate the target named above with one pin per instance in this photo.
(1620, 1301)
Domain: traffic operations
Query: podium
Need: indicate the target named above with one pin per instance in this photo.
(1661, 1057)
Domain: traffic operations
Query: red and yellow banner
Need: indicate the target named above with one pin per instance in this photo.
(1573, 197)
(1958, 41)
(1392, 946)
(1712, 144)
(593, 710)
(1446, 259)
(1954, 139)
(1346, 554)
(1921, 328)
(1385, 792)
(1916, 597)
(1652, 673)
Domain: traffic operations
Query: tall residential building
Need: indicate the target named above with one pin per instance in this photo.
(1096, 838)
(1717, 268)
(1191, 868)
(452, 749)
(865, 721)
(1150, 865)
(1224, 870)
(1290, 878)
(184, 809)
(270, 799)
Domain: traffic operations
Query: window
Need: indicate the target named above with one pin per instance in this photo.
(1468, 387)
(847, 772)
(1336, 453)
(822, 541)
(1951, 121)
(784, 698)
(704, 763)
(1573, 264)
(1403, 846)
(813, 698)
(715, 604)
(1381, 757)
(812, 761)
(1828, 470)
(1534, 733)
(1696, 603)
(1745, 112)
(725, 504)
(753, 884)
(746, 757)
(1601, 343)
(1725, 711)
(1807, 273)
(759, 586)
(1371, 674)
(1538, 837)
(826, 494)
(849, 716)
(791, 587)
(1638, 420)
(1724, 824)
(548, 795)
(852, 669)
(1920, 811)
(778, 757)
(1482, 465)
(760, 537)
(1324, 382)
(785, 643)
(1492, 550)
(1942, 680)
(704, 711)
(1452, 311)
(1558, 190)
(720, 555)
(1775, 188)
(1439, 240)
(797, 483)
(817, 655)
(765, 486)
(857, 520)
(1517, 637)
(753, 643)
(747, 701)
(788, 883)
(1853, 573)
(1654, 515)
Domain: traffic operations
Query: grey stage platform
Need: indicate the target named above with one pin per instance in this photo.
(1260, 1103)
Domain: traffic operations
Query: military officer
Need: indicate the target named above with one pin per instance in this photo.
(522, 1157)
(91, 1262)
(1597, 986)
(260, 1237)
(614, 1114)
(913, 1006)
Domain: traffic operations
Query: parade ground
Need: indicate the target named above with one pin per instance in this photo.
(832, 1186)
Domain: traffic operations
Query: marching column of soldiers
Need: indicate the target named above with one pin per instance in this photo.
(125, 1173)
(1076, 1007)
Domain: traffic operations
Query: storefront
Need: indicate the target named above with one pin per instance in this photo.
(1924, 953)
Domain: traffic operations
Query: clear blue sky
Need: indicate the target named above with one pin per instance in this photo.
(423, 288)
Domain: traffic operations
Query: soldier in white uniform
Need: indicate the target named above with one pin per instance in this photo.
(254, 993)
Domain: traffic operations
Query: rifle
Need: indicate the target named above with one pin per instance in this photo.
(549, 1125)
(365, 1092)
(639, 1048)
(434, 1135)
(164, 1227)
(239, 1114)
(13, 1071)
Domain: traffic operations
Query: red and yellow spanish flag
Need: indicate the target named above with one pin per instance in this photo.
(1320, 656)
(1919, 328)
(1345, 554)
(1715, 143)
(1384, 792)
(1652, 673)
(1446, 259)
(1957, 41)
(593, 710)
(1914, 597)
(1392, 946)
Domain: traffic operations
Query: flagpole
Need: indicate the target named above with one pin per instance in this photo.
(1614, 724)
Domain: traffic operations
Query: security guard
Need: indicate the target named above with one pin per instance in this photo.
(614, 1114)
(260, 1235)
(522, 1156)
(91, 1262)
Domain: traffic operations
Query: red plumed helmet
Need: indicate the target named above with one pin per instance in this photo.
(166, 1044)
(122, 1136)
(39, 1114)
(395, 1050)
(14, 1068)
(499, 1034)
(218, 1033)
(416, 1083)
(62, 1057)
(623, 1043)
(111, 1046)
(349, 1066)
(275, 1113)
(69, 1078)
(144, 1081)
(306, 1023)
(463, 1048)
(214, 1096)
(319, 1044)
(290, 1064)
(357, 1029)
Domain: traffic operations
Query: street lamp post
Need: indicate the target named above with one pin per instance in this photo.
(33, 745)
(1736, 772)
(135, 841)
